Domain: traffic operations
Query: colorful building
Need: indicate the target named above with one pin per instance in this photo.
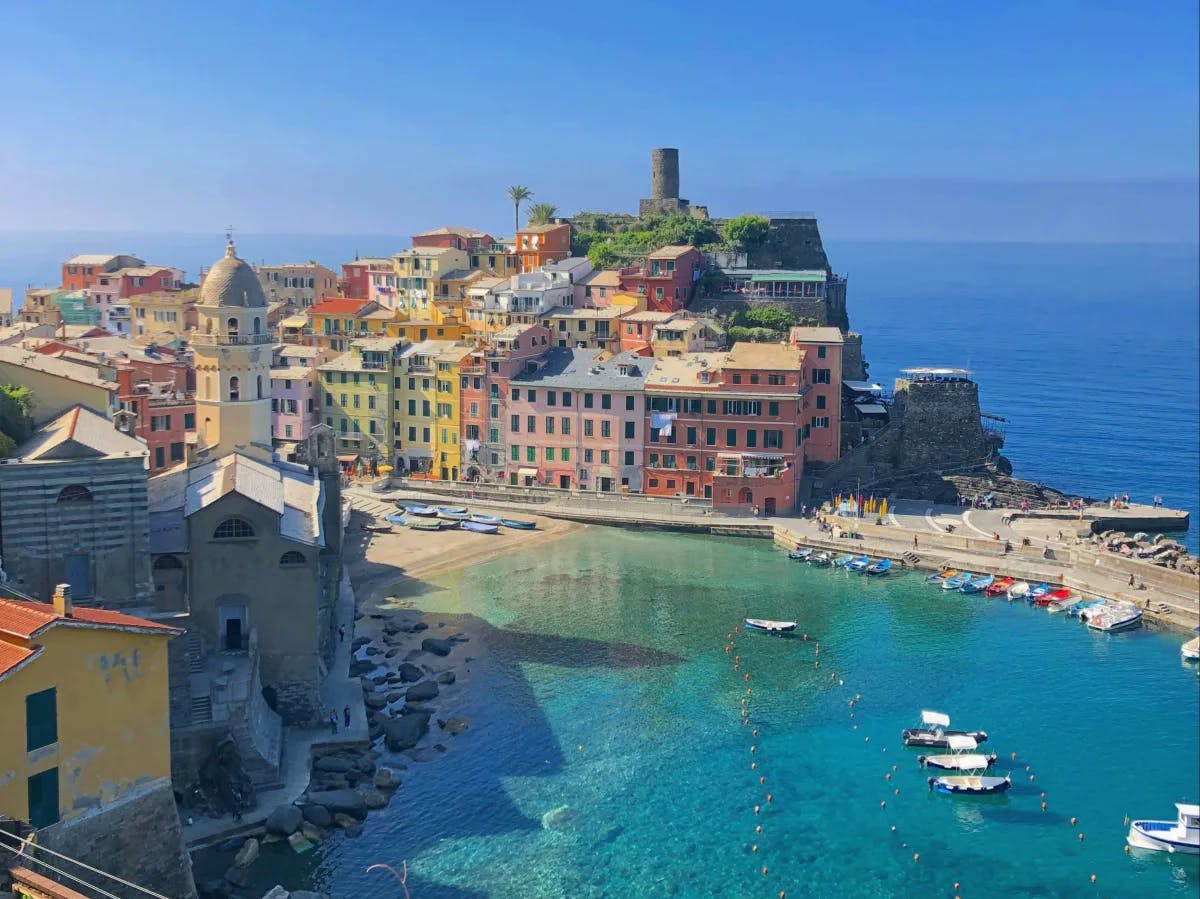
(576, 421)
(538, 245)
(359, 275)
(419, 330)
(597, 288)
(84, 271)
(584, 328)
(335, 322)
(357, 400)
(636, 330)
(666, 279)
(295, 396)
(152, 385)
(297, 285)
(59, 384)
(467, 239)
(420, 272)
(447, 449)
(822, 348)
(727, 427)
(163, 311)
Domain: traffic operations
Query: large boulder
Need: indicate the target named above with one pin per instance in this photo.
(386, 779)
(437, 646)
(285, 820)
(409, 673)
(347, 802)
(374, 701)
(276, 892)
(247, 854)
(422, 692)
(373, 798)
(333, 763)
(446, 677)
(405, 732)
(318, 815)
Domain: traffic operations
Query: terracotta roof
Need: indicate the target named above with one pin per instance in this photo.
(671, 252)
(335, 306)
(28, 619)
(13, 657)
(461, 232)
(765, 356)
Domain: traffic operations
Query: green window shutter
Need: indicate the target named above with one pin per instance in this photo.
(41, 719)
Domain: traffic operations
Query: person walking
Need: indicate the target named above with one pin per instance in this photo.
(346, 716)
(914, 541)
(341, 633)
(333, 721)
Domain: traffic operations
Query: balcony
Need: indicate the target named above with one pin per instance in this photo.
(232, 339)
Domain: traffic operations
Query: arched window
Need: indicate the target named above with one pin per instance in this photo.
(167, 563)
(257, 325)
(291, 557)
(74, 493)
(232, 327)
(260, 387)
(233, 529)
(235, 388)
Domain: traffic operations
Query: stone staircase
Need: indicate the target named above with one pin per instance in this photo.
(200, 701)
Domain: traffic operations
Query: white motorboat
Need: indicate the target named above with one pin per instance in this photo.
(1019, 590)
(1182, 835)
(973, 784)
(771, 627)
(1190, 651)
(933, 731)
(1116, 617)
(962, 757)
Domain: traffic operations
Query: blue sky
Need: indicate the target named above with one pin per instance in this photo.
(1050, 121)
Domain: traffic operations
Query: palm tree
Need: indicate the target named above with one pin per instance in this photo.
(517, 193)
(541, 213)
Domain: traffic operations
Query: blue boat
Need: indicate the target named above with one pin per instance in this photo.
(394, 518)
(423, 511)
(956, 582)
(452, 513)
(859, 564)
(518, 525)
(483, 519)
(972, 784)
(979, 584)
(800, 554)
(842, 561)
(1041, 591)
(883, 566)
(478, 527)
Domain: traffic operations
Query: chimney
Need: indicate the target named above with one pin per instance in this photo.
(62, 600)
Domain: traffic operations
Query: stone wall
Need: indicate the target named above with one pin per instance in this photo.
(854, 367)
(137, 838)
(791, 243)
(940, 422)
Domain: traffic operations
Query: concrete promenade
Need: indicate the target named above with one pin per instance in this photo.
(913, 533)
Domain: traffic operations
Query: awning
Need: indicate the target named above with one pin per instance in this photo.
(870, 409)
(774, 277)
(527, 472)
(295, 321)
(862, 386)
(347, 457)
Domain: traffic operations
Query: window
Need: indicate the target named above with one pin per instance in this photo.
(691, 436)
(291, 557)
(668, 460)
(189, 421)
(588, 399)
(629, 457)
(549, 454)
(43, 798)
(160, 422)
(821, 352)
(515, 454)
(773, 439)
(710, 407)
(653, 482)
(412, 407)
(74, 493)
(531, 454)
(773, 409)
(587, 427)
(629, 403)
(516, 393)
(731, 437)
(754, 379)
(532, 394)
(743, 407)
(356, 399)
(551, 397)
(177, 448)
(751, 438)
(565, 454)
(233, 529)
(566, 427)
(737, 379)
(820, 421)
(822, 376)
(41, 719)
(777, 380)
(820, 402)
(710, 436)
(653, 461)
(235, 391)
(567, 396)
(604, 457)
(493, 435)
(531, 424)
(370, 402)
(549, 424)
(606, 401)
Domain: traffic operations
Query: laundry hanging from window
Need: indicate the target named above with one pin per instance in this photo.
(662, 421)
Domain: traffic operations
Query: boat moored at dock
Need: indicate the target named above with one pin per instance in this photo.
(1115, 617)
(801, 554)
(1190, 651)
(1181, 835)
(1019, 590)
(942, 576)
(859, 564)
(957, 582)
(842, 561)
(998, 587)
(880, 568)
(821, 560)
(979, 584)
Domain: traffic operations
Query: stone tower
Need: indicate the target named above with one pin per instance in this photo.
(664, 173)
(232, 351)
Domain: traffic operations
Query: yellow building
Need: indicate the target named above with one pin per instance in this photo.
(447, 450)
(425, 275)
(333, 323)
(357, 400)
(172, 311)
(85, 692)
(418, 423)
(419, 330)
(59, 384)
(584, 328)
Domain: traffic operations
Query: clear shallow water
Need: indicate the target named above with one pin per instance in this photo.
(613, 641)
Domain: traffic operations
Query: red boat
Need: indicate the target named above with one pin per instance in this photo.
(1056, 596)
(999, 587)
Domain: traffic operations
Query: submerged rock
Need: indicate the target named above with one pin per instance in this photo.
(558, 818)
(456, 725)
(446, 677)
(436, 646)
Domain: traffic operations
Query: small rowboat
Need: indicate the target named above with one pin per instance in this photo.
(972, 784)
(820, 559)
(377, 528)
(1060, 603)
(1041, 591)
(517, 525)
(452, 513)
(770, 627)
(978, 585)
(479, 527)
(423, 511)
(859, 564)
(801, 554)
(942, 576)
(842, 561)
(394, 518)
(484, 519)
(1076, 610)
(998, 587)
(1050, 596)
(880, 568)
(956, 582)
(1019, 590)
(424, 524)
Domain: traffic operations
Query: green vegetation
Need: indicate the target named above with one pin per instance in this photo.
(517, 193)
(746, 231)
(16, 426)
(763, 324)
(612, 241)
(541, 213)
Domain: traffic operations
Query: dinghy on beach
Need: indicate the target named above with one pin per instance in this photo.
(518, 525)
(479, 527)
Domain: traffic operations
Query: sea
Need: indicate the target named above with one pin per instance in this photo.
(626, 741)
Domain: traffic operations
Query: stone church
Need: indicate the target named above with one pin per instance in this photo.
(247, 545)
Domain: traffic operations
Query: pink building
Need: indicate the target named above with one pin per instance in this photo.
(576, 422)
(294, 395)
(823, 403)
(358, 275)
(666, 279)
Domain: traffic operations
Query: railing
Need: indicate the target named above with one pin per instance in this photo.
(232, 339)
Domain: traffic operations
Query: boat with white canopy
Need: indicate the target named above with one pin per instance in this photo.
(962, 756)
(934, 732)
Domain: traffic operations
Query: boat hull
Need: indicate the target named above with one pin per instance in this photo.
(766, 626)
(1157, 835)
(518, 525)
(479, 527)
(880, 568)
(971, 762)
(937, 739)
(970, 785)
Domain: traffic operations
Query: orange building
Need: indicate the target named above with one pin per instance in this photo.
(539, 245)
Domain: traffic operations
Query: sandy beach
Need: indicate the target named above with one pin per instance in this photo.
(390, 564)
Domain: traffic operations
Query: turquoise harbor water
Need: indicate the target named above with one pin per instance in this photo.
(600, 682)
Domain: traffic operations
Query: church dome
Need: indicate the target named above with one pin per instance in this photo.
(231, 282)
